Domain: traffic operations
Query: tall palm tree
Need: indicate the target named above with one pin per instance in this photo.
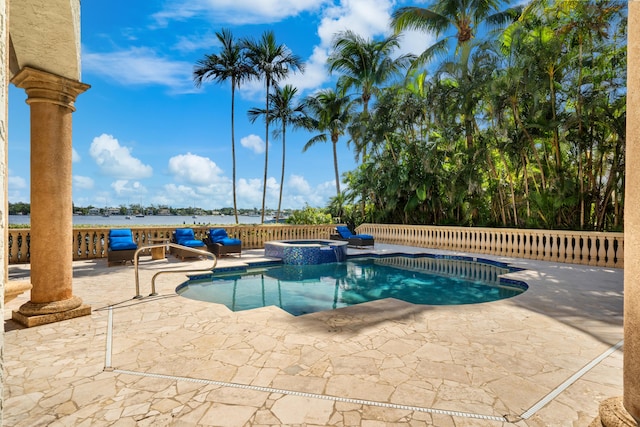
(329, 113)
(271, 62)
(284, 111)
(230, 64)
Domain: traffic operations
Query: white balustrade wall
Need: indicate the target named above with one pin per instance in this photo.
(577, 247)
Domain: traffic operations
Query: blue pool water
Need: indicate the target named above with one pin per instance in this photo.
(303, 289)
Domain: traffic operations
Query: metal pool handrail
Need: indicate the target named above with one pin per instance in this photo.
(186, 270)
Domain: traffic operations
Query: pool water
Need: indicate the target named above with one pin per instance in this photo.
(303, 289)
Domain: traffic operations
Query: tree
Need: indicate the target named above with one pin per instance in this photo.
(271, 62)
(284, 111)
(329, 113)
(463, 15)
(230, 64)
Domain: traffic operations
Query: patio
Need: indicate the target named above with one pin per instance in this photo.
(545, 358)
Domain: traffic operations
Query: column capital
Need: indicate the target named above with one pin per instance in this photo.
(42, 86)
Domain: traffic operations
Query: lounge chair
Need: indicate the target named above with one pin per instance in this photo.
(186, 237)
(219, 243)
(121, 247)
(357, 240)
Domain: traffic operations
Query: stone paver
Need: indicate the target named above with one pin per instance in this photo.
(179, 362)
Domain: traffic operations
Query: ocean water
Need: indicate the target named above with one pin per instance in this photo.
(148, 220)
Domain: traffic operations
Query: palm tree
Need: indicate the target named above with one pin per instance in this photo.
(282, 110)
(272, 62)
(365, 64)
(463, 15)
(329, 113)
(229, 64)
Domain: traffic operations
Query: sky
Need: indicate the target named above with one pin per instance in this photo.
(144, 134)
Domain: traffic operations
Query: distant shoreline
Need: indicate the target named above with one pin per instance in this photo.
(97, 221)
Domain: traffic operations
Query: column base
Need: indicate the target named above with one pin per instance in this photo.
(34, 314)
(613, 414)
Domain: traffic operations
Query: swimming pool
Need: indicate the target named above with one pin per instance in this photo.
(303, 289)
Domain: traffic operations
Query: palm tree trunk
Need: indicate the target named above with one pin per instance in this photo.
(284, 130)
(526, 184)
(266, 151)
(334, 141)
(233, 149)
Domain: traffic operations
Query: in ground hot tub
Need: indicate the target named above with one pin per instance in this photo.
(306, 252)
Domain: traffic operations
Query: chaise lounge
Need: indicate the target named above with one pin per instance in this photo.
(356, 240)
(219, 243)
(186, 237)
(121, 247)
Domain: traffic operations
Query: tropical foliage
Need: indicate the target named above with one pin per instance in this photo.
(512, 118)
(526, 130)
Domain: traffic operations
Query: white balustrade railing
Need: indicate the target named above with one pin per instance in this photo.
(577, 247)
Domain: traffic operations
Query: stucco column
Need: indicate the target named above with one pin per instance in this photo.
(625, 411)
(51, 99)
(632, 220)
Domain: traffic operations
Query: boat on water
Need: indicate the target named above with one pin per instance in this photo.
(127, 217)
(139, 216)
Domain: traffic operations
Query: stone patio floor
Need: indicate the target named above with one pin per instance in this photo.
(547, 357)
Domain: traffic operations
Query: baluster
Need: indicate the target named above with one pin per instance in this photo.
(601, 254)
(593, 249)
(547, 246)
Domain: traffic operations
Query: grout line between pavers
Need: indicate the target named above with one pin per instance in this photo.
(109, 343)
(572, 379)
(316, 396)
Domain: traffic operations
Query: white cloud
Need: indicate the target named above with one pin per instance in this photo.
(367, 18)
(194, 169)
(115, 160)
(298, 192)
(315, 72)
(82, 182)
(235, 12)
(253, 143)
(75, 157)
(196, 42)
(415, 42)
(140, 66)
(16, 182)
(123, 187)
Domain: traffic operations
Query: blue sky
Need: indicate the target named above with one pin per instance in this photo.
(144, 134)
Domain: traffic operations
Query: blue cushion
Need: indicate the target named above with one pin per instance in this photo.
(228, 241)
(344, 231)
(192, 243)
(121, 239)
(364, 236)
